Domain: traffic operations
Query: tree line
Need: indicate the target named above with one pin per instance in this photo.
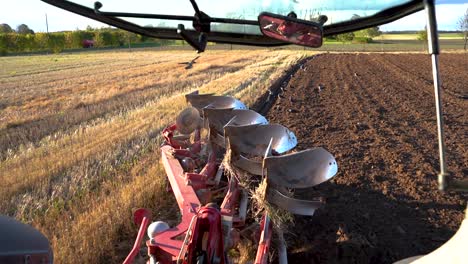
(361, 36)
(24, 39)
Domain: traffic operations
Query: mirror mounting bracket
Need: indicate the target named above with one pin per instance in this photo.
(202, 22)
(198, 44)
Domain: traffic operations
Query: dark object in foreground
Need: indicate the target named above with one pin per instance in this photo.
(21, 243)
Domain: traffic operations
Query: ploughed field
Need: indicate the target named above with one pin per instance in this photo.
(375, 113)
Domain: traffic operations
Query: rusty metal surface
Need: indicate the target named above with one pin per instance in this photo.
(295, 206)
(302, 169)
(254, 139)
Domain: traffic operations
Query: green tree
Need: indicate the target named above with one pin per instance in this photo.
(4, 43)
(5, 28)
(462, 25)
(24, 29)
(41, 41)
(366, 35)
(74, 39)
(31, 42)
(16, 43)
(56, 42)
(345, 37)
(127, 37)
(103, 38)
(367, 32)
(373, 32)
(422, 35)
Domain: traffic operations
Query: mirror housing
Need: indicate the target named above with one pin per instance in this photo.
(292, 30)
(21, 243)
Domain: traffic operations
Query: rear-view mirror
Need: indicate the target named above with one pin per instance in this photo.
(292, 30)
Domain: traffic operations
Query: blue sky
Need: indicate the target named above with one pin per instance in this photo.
(32, 12)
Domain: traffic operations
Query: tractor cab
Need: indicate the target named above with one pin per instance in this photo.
(217, 145)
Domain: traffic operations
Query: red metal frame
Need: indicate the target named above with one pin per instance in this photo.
(166, 246)
(231, 202)
(180, 147)
(207, 237)
(168, 134)
(142, 218)
(205, 177)
(265, 241)
(200, 230)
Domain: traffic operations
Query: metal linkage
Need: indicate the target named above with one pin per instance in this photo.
(98, 6)
(141, 218)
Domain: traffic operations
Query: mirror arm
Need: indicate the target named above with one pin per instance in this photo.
(199, 44)
(201, 21)
(98, 6)
(195, 7)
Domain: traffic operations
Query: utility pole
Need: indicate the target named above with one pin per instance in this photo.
(47, 30)
(47, 24)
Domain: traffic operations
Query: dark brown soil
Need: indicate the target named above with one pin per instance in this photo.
(375, 113)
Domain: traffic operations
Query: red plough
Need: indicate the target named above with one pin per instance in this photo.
(213, 177)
